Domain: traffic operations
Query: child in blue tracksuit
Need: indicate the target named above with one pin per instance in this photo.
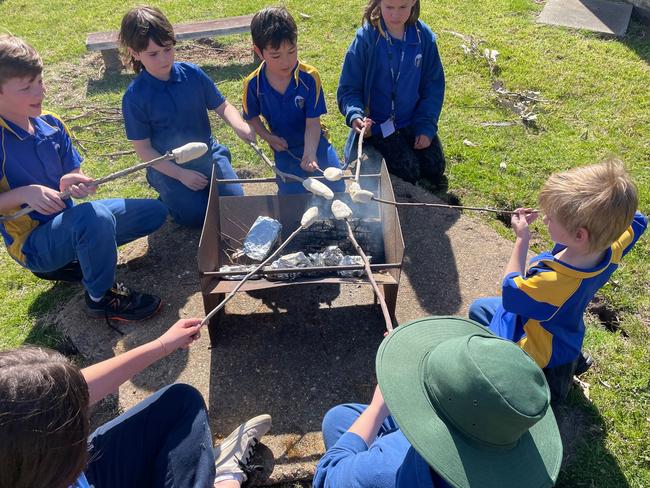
(393, 83)
(165, 107)
(590, 215)
(59, 237)
(289, 95)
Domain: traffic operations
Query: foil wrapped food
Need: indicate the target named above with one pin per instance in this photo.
(261, 238)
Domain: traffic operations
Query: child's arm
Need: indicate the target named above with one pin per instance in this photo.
(431, 91)
(312, 138)
(194, 180)
(277, 143)
(41, 198)
(349, 94)
(232, 117)
(105, 377)
(519, 222)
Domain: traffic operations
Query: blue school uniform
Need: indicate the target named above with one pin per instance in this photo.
(286, 116)
(543, 310)
(170, 114)
(388, 462)
(384, 77)
(88, 232)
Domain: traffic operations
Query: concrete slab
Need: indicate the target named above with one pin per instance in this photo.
(290, 352)
(594, 15)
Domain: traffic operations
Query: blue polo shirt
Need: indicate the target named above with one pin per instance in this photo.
(41, 158)
(286, 113)
(174, 112)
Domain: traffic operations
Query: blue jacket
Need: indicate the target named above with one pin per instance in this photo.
(389, 462)
(421, 84)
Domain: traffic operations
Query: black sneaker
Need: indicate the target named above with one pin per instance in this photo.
(120, 303)
(585, 361)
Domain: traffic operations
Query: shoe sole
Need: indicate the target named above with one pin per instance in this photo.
(123, 319)
(229, 442)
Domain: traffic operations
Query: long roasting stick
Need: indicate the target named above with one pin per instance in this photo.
(366, 263)
(306, 221)
(281, 174)
(359, 153)
(182, 154)
(444, 205)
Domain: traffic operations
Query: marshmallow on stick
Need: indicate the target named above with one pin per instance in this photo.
(340, 210)
(317, 188)
(333, 174)
(181, 155)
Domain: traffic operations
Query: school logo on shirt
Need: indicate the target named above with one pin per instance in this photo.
(300, 102)
(418, 60)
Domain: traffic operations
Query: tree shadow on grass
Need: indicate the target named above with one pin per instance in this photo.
(584, 435)
(638, 37)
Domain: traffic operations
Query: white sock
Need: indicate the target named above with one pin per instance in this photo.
(230, 476)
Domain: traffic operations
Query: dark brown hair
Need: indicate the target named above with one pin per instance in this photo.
(18, 59)
(372, 13)
(43, 419)
(139, 26)
(272, 26)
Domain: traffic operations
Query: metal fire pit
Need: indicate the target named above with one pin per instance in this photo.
(228, 219)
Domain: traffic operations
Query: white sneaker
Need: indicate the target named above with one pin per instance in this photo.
(235, 452)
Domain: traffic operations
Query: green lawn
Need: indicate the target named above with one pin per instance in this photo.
(598, 105)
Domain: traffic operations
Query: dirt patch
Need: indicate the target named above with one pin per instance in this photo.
(214, 52)
(606, 314)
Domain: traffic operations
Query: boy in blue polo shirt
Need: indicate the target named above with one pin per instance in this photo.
(166, 106)
(591, 216)
(38, 161)
(289, 95)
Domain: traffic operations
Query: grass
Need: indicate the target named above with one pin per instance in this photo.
(598, 105)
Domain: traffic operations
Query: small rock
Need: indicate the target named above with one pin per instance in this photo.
(502, 166)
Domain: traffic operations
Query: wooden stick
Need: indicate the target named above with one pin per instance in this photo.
(281, 174)
(359, 153)
(245, 278)
(366, 263)
(64, 195)
(444, 205)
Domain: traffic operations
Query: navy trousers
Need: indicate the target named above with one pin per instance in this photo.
(164, 441)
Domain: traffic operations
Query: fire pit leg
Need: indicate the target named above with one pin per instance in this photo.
(209, 302)
(390, 297)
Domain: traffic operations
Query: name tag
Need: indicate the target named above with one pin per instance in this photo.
(387, 128)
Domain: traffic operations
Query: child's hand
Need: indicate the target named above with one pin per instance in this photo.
(520, 221)
(422, 142)
(358, 124)
(309, 164)
(181, 334)
(277, 143)
(77, 185)
(43, 199)
(246, 133)
(193, 179)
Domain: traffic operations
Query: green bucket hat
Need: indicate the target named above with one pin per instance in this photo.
(476, 407)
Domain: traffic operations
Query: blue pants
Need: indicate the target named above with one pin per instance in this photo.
(483, 309)
(339, 419)
(164, 441)
(186, 206)
(90, 233)
(326, 157)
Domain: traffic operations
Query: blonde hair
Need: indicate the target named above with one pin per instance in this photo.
(600, 198)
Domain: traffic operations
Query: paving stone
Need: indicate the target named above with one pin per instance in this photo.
(594, 15)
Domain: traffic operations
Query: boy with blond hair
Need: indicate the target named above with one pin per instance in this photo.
(591, 215)
(59, 237)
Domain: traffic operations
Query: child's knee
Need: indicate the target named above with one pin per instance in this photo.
(95, 217)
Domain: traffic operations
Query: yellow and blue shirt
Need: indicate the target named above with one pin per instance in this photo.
(286, 113)
(543, 310)
(41, 158)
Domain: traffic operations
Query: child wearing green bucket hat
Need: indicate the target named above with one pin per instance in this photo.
(458, 407)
